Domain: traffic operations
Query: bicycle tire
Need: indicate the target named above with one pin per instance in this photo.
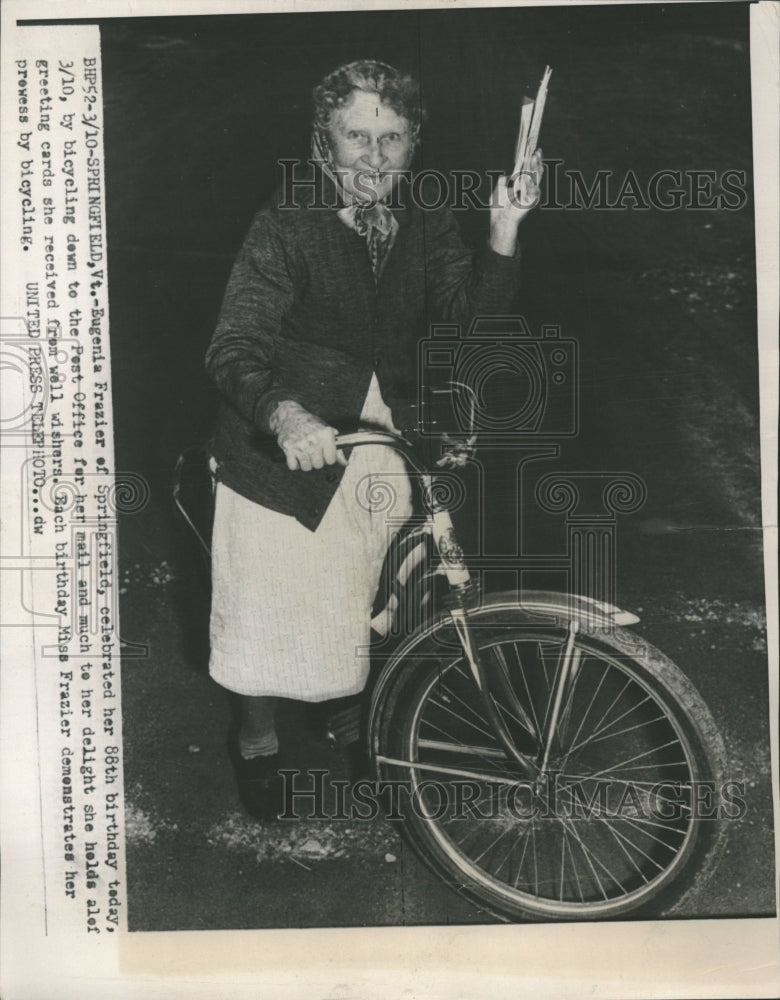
(654, 862)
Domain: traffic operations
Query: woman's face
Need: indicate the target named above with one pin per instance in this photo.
(370, 144)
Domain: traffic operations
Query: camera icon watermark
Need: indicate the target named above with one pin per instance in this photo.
(499, 380)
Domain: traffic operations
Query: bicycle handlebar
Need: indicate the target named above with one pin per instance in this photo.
(407, 449)
(401, 444)
(371, 437)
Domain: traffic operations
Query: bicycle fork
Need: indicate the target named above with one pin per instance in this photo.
(461, 586)
(488, 680)
(492, 679)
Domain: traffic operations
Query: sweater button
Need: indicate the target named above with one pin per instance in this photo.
(332, 476)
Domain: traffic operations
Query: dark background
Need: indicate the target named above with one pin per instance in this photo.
(198, 111)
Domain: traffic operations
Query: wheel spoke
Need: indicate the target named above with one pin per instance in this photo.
(563, 865)
(573, 863)
(541, 658)
(468, 833)
(480, 856)
(614, 702)
(525, 721)
(590, 704)
(632, 822)
(635, 821)
(564, 789)
(648, 767)
(617, 833)
(527, 839)
(527, 688)
(621, 766)
(512, 845)
(631, 861)
(449, 692)
(536, 859)
(588, 854)
(619, 781)
(597, 735)
(460, 718)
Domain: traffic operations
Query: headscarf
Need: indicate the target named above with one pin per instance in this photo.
(371, 219)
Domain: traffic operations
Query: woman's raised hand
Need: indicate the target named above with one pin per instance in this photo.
(513, 198)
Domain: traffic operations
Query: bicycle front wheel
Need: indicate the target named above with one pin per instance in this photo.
(624, 817)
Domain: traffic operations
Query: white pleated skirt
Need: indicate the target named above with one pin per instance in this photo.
(291, 608)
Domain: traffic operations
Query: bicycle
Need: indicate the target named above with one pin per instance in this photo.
(516, 720)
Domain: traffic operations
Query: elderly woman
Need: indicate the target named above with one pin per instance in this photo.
(317, 334)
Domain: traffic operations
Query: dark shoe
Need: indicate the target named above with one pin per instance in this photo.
(260, 786)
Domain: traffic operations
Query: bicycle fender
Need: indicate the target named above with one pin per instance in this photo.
(587, 611)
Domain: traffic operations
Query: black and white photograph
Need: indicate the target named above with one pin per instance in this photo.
(437, 570)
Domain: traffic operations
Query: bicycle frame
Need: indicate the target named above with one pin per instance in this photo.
(575, 611)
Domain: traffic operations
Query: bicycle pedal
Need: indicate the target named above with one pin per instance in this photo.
(344, 726)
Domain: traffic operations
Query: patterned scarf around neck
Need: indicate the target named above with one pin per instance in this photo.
(371, 219)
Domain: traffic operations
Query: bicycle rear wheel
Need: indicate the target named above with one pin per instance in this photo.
(621, 823)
